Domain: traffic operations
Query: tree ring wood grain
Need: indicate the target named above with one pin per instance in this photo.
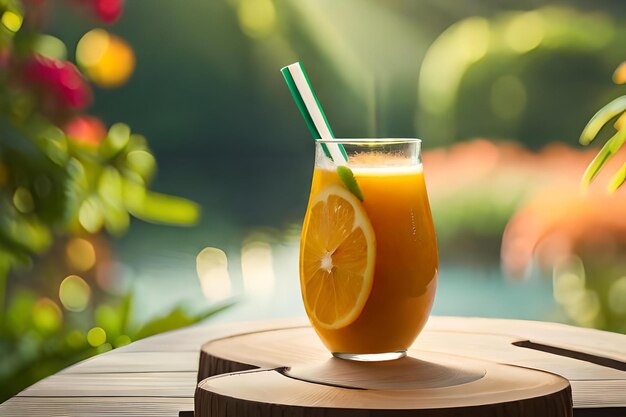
(296, 376)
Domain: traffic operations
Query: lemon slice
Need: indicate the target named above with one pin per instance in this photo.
(337, 256)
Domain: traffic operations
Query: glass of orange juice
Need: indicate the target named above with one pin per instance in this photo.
(368, 253)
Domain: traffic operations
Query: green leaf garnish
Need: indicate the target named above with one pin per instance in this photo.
(347, 177)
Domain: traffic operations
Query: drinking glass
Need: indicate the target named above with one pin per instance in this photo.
(368, 253)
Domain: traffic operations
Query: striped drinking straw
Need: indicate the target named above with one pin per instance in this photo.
(312, 111)
(315, 119)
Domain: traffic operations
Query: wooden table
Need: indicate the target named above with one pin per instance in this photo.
(157, 376)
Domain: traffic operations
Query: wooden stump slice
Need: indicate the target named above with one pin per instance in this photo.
(296, 376)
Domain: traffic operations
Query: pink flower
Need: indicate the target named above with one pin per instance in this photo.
(59, 80)
(107, 10)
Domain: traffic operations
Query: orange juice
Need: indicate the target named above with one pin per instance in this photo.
(405, 264)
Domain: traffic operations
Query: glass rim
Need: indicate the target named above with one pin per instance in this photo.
(370, 141)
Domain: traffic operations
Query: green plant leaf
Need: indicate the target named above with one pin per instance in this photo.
(116, 219)
(110, 190)
(137, 143)
(133, 191)
(91, 215)
(602, 117)
(76, 188)
(53, 143)
(110, 186)
(162, 208)
(24, 232)
(175, 319)
(347, 177)
(116, 140)
(141, 162)
(618, 179)
(49, 46)
(607, 151)
(48, 138)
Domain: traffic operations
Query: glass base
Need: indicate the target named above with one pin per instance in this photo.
(371, 357)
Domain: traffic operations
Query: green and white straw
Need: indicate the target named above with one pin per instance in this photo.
(312, 111)
(315, 119)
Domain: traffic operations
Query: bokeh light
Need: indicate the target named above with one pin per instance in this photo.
(23, 200)
(446, 61)
(11, 20)
(257, 18)
(50, 47)
(80, 254)
(585, 311)
(74, 293)
(106, 59)
(525, 32)
(47, 315)
(107, 10)
(619, 76)
(97, 336)
(91, 47)
(568, 287)
(257, 267)
(212, 269)
(87, 130)
(581, 304)
(90, 215)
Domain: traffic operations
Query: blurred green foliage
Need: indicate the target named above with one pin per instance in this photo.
(523, 71)
(365, 59)
(37, 339)
(62, 174)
